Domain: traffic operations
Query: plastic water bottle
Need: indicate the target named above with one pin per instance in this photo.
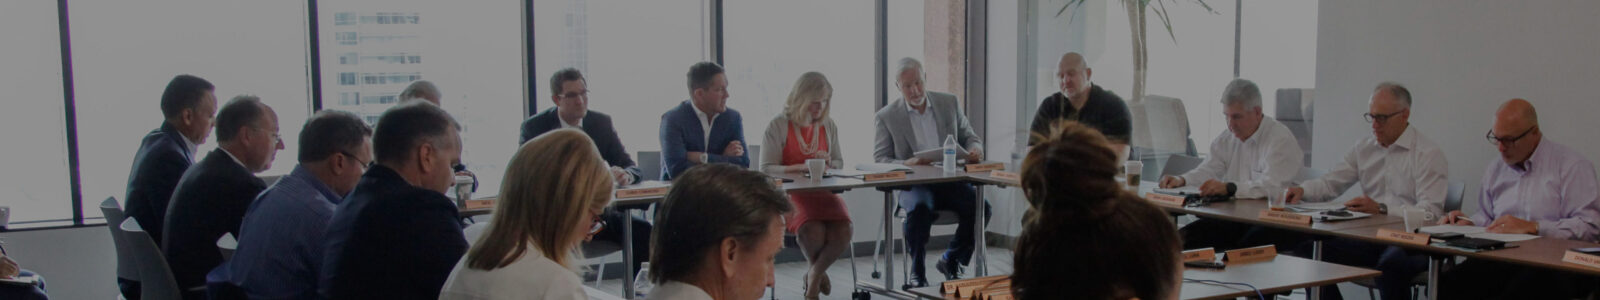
(949, 154)
(641, 282)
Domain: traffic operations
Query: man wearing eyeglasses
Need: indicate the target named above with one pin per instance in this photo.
(213, 195)
(1537, 187)
(1397, 168)
(280, 241)
(569, 91)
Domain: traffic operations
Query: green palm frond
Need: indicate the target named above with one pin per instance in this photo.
(1160, 9)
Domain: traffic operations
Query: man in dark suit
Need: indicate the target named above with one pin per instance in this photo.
(703, 129)
(397, 236)
(214, 194)
(187, 105)
(570, 93)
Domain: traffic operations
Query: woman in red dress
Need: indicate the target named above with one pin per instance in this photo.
(804, 132)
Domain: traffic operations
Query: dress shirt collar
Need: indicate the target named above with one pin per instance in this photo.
(679, 290)
(704, 116)
(1407, 140)
(301, 173)
(235, 159)
(1535, 159)
(927, 108)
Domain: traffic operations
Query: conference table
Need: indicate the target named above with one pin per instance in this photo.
(1541, 252)
(797, 182)
(1280, 274)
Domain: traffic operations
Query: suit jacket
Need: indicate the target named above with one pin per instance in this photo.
(896, 141)
(682, 133)
(595, 124)
(390, 240)
(158, 165)
(210, 200)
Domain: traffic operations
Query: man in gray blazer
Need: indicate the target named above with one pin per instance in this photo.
(919, 121)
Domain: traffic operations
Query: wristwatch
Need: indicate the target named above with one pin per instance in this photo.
(704, 158)
(1383, 208)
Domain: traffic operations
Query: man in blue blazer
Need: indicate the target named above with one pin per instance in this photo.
(397, 236)
(703, 129)
(188, 106)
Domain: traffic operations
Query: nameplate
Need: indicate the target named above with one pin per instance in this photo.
(1254, 254)
(952, 286)
(1003, 175)
(1202, 254)
(994, 291)
(479, 204)
(1284, 217)
(977, 291)
(1420, 239)
(884, 176)
(644, 192)
(1580, 258)
(985, 167)
(1164, 199)
(1003, 295)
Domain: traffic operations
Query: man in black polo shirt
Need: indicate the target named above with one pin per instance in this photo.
(1084, 102)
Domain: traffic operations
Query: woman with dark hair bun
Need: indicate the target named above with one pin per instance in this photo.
(1083, 236)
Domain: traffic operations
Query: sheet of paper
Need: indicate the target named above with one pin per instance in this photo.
(881, 167)
(1319, 216)
(846, 173)
(1503, 237)
(937, 154)
(1315, 206)
(1187, 190)
(1462, 229)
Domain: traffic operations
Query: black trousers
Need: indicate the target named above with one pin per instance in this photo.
(615, 219)
(1484, 279)
(958, 197)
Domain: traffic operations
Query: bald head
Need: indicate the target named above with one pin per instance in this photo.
(1517, 112)
(1072, 74)
(1516, 131)
(421, 89)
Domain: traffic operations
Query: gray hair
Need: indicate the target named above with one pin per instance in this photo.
(1242, 91)
(421, 89)
(1395, 89)
(907, 64)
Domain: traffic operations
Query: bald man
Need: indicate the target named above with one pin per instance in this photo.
(1537, 187)
(1397, 168)
(421, 90)
(1083, 101)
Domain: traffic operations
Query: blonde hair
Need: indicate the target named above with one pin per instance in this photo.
(810, 86)
(550, 187)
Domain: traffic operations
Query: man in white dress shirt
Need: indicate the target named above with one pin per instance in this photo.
(1256, 157)
(1398, 168)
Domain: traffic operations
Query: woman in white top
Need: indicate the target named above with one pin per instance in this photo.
(553, 193)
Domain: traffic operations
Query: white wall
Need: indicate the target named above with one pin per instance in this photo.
(1460, 60)
(77, 263)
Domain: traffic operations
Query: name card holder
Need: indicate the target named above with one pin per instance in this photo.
(1284, 217)
(1253, 254)
(985, 167)
(1202, 254)
(643, 192)
(1419, 239)
(978, 291)
(952, 286)
(884, 176)
(1003, 175)
(1583, 259)
(994, 292)
(479, 204)
(1164, 199)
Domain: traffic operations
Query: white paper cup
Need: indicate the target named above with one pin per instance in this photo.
(5, 216)
(1131, 170)
(463, 189)
(818, 168)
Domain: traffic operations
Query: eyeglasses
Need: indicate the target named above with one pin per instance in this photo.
(584, 94)
(1380, 118)
(1494, 140)
(458, 167)
(364, 165)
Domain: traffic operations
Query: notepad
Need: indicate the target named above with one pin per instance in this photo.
(1476, 232)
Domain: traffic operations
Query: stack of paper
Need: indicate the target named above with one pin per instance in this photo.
(1476, 232)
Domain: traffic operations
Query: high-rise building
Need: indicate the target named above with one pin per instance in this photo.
(377, 53)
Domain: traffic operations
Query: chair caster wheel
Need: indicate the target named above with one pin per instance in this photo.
(876, 275)
(860, 295)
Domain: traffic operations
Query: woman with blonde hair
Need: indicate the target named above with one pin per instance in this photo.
(804, 132)
(554, 190)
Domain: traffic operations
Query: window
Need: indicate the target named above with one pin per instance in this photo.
(35, 179)
(934, 33)
(121, 68)
(347, 78)
(345, 19)
(605, 41)
(475, 56)
(770, 43)
(348, 59)
(347, 38)
(1278, 48)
